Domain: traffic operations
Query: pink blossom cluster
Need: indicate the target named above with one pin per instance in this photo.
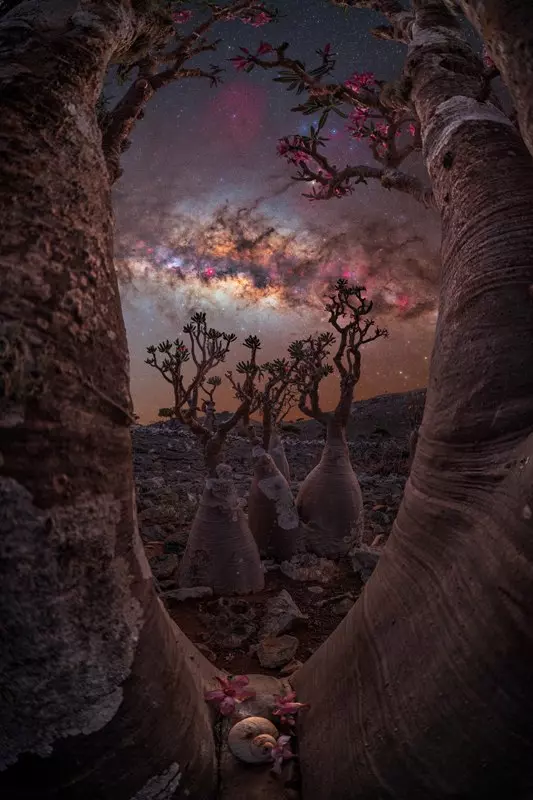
(290, 148)
(360, 80)
(381, 132)
(241, 62)
(179, 17)
(487, 60)
(286, 707)
(358, 118)
(257, 21)
(232, 691)
(281, 752)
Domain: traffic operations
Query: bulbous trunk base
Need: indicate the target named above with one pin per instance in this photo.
(272, 514)
(221, 551)
(330, 503)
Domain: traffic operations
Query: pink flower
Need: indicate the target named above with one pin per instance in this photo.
(232, 691)
(239, 62)
(381, 131)
(280, 753)
(286, 706)
(264, 47)
(289, 148)
(487, 60)
(181, 16)
(262, 18)
(411, 129)
(360, 80)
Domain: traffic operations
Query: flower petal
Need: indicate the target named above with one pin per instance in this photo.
(216, 694)
(238, 681)
(227, 706)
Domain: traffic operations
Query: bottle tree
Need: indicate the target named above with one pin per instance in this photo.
(329, 500)
(272, 513)
(221, 552)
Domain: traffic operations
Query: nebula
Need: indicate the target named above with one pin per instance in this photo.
(242, 258)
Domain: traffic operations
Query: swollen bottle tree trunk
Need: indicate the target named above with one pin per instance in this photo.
(272, 513)
(329, 501)
(424, 690)
(98, 694)
(221, 551)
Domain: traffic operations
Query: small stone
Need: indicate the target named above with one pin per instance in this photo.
(291, 668)
(276, 651)
(236, 637)
(281, 614)
(165, 568)
(315, 589)
(309, 567)
(364, 560)
(188, 593)
(343, 607)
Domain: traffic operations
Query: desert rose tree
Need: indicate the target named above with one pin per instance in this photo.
(78, 606)
(100, 692)
(278, 399)
(272, 514)
(329, 500)
(380, 113)
(463, 535)
(221, 552)
(167, 53)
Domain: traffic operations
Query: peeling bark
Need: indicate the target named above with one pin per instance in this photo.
(97, 695)
(424, 690)
(276, 451)
(272, 513)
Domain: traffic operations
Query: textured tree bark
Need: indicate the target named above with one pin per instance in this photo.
(97, 695)
(221, 552)
(424, 689)
(329, 501)
(506, 27)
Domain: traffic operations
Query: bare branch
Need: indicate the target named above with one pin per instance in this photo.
(163, 61)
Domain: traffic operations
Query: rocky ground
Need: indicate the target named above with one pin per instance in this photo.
(303, 600)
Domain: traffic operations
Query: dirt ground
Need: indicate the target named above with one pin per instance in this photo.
(320, 609)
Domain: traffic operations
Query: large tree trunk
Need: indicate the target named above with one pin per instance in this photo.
(221, 552)
(329, 501)
(424, 690)
(97, 694)
(506, 27)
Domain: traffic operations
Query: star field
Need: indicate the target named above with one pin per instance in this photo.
(208, 217)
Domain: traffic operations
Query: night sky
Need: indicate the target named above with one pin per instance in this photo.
(209, 219)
